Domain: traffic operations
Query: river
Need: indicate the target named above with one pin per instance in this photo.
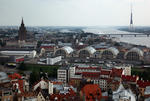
(143, 40)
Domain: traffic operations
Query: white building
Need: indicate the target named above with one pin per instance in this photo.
(50, 88)
(122, 94)
(103, 83)
(30, 54)
(3, 77)
(72, 71)
(44, 85)
(52, 61)
(147, 90)
(64, 44)
(126, 69)
(63, 75)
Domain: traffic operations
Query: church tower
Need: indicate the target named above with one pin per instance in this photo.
(22, 32)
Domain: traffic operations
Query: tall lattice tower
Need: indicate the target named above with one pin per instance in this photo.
(131, 28)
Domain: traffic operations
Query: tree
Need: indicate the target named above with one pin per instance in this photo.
(2, 43)
(22, 66)
(39, 44)
(34, 77)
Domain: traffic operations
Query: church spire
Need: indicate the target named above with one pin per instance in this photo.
(22, 22)
(22, 31)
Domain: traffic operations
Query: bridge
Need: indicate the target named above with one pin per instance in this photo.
(125, 35)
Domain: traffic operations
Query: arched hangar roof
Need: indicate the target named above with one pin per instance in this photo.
(90, 49)
(114, 50)
(137, 50)
(67, 49)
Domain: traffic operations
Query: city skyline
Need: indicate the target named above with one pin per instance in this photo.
(74, 12)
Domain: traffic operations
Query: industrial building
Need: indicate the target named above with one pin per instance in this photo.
(134, 54)
(86, 52)
(52, 61)
(29, 54)
(64, 51)
(109, 53)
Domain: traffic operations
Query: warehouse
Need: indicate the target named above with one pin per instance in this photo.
(134, 54)
(64, 51)
(29, 54)
(86, 52)
(109, 53)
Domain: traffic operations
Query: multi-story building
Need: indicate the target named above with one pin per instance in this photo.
(126, 68)
(53, 90)
(96, 74)
(63, 74)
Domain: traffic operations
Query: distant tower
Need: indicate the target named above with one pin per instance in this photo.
(131, 21)
(22, 32)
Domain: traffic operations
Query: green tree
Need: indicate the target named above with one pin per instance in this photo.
(22, 66)
(2, 43)
(34, 77)
(39, 44)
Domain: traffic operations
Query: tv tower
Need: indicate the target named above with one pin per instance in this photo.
(131, 20)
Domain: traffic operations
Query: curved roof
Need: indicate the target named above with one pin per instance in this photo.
(137, 50)
(114, 50)
(90, 49)
(67, 49)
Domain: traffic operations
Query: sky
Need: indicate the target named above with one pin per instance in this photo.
(74, 12)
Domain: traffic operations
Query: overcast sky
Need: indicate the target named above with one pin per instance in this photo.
(73, 12)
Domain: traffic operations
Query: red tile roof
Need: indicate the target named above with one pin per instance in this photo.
(58, 83)
(143, 84)
(91, 74)
(19, 81)
(90, 91)
(129, 78)
(62, 96)
(15, 76)
(28, 94)
(19, 59)
(116, 72)
(97, 68)
(116, 82)
(105, 72)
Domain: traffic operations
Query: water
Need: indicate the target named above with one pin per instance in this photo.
(142, 40)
